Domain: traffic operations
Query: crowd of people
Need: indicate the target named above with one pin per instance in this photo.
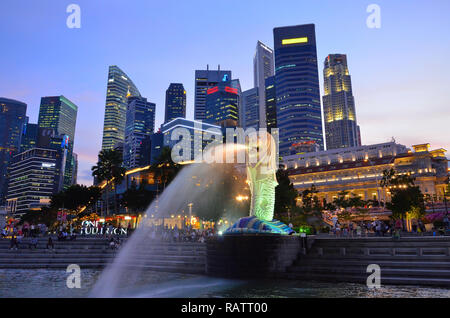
(175, 234)
(378, 228)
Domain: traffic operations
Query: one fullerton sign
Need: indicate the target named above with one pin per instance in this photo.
(92, 228)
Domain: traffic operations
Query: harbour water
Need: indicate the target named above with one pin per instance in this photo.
(42, 283)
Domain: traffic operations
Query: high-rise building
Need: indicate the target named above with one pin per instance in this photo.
(29, 137)
(222, 104)
(151, 148)
(139, 125)
(12, 121)
(119, 88)
(175, 102)
(35, 175)
(249, 116)
(58, 114)
(341, 129)
(262, 69)
(271, 103)
(299, 116)
(204, 80)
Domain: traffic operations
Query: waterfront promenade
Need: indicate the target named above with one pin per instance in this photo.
(421, 261)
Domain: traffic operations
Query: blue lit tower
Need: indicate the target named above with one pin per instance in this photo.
(299, 115)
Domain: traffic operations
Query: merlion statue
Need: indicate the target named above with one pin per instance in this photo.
(261, 175)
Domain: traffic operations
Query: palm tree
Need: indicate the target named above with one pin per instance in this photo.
(164, 168)
(109, 169)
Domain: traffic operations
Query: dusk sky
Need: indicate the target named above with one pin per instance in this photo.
(400, 72)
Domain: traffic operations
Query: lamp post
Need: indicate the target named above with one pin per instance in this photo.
(190, 213)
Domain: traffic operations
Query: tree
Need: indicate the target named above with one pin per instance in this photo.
(165, 169)
(137, 198)
(75, 197)
(285, 194)
(109, 169)
(341, 201)
(406, 196)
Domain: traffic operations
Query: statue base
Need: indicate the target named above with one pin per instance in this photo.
(253, 225)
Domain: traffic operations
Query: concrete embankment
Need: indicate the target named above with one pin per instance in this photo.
(96, 253)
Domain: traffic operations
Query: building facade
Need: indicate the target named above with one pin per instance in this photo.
(299, 115)
(263, 67)
(359, 170)
(35, 175)
(341, 129)
(249, 114)
(222, 104)
(12, 122)
(204, 80)
(271, 103)
(29, 137)
(175, 102)
(140, 124)
(119, 88)
(59, 114)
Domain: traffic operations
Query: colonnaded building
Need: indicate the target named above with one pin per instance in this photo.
(359, 170)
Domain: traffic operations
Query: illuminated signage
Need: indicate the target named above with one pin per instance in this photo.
(92, 228)
(212, 90)
(231, 90)
(294, 41)
(225, 78)
(65, 142)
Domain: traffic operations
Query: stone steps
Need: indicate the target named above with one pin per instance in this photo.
(96, 253)
(412, 261)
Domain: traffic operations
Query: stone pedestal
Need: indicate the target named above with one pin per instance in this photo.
(251, 255)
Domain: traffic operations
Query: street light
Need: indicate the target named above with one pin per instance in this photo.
(190, 213)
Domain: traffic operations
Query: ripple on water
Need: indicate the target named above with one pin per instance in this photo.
(52, 283)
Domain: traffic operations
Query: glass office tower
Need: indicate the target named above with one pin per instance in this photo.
(119, 88)
(140, 124)
(59, 114)
(204, 80)
(263, 67)
(299, 116)
(341, 129)
(12, 121)
(175, 102)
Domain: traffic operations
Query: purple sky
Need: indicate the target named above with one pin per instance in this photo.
(400, 73)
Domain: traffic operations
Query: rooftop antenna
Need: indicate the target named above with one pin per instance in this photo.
(207, 67)
(218, 68)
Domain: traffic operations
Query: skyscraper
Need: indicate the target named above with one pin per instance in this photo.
(59, 114)
(341, 129)
(204, 80)
(12, 121)
(271, 103)
(222, 104)
(35, 175)
(119, 88)
(139, 125)
(175, 102)
(299, 116)
(262, 69)
(249, 116)
(29, 137)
